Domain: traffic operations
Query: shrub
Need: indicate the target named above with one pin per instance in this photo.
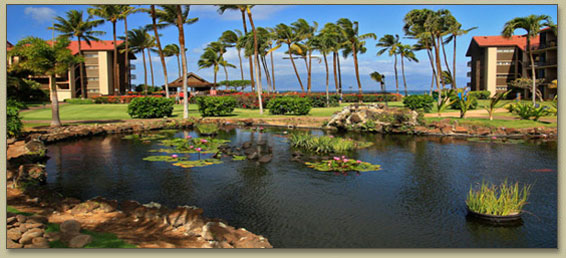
(526, 111)
(480, 94)
(13, 121)
(216, 106)
(505, 199)
(13, 102)
(79, 101)
(319, 100)
(150, 107)
(419, 102)
(289, 105)
(456, 104)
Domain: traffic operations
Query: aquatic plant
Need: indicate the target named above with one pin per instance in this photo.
(237, 158)
(325, 144)
(197, 163)
(343, 164)
(190, 145)
(207, 129)
(505, 199)
(145, 137)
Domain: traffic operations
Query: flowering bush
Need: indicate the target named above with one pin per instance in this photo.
(343, 164)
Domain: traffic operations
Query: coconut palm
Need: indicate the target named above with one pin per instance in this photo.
(322, 42)
(173, 50)
(334, 40)
(532, 24)
(350, 30)
(242, 8)
(75, 26)
(285, 35)
(256, 67)
(212, 58)
(153, 13)
(41, 58)
(423, 44)
(232, 39)
(455, 32)
(380, 78)
(140, 40)
(264, 42)
(178, 16)
(390, 44)
(305, 34)
(406, 52)
(111, 13)
(219, 48)
(125, 11)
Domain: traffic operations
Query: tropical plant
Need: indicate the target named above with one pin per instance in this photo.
(210, 58)
(256, 67)
(419, 102)
(350, 30)
(75, 26)
(503, 200)
(465, 103)
(173, 50)
(379, 78)
(456, 31)
(532, 24)
(233, 39)
(525, 84)
(406, 52)
(153, 13)
(125, 11)
(207, 129)
(325, 144)
(13, 120)
(306, 35)
(139, 40)
(285, 35)
(41, 58)
(494, 101)
(335, 41)
(445, 102)
(343, 165)
(390, 44)
(323, 43)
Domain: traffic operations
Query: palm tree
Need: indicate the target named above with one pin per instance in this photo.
(125, 11)
(423, 44)
(153, 14)
(242, 8)
(211, 58)
(334, 38)
(111, 13)
(173, 50)
(285, 35)
(178, 15)
(140, 40)
(41, 58)
(256, 68)
(232, 39)
(264, 45)
(271, 40)
(151, 48)
(305, 33)
(351, 30)
(455, 32)
(406, 52)
(380, 78)
(390, 44)
(532, 24)
(219, 48)
(322, 43)
(75, 26)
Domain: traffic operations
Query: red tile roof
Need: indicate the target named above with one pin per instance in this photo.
(493, 41)
(94, 45)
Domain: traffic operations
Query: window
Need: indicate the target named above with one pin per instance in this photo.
(505, 50)
(502, 76)
(93, 90)
(505, 63)
(91, 67)
(91, 55)
(501, 88)
(92, 79)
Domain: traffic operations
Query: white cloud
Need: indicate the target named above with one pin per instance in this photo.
(259, 12)
(40, 14)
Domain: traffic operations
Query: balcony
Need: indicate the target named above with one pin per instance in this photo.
(548, 62)
(132, 67)
(133, 76)
(469, 63)
(469, 74)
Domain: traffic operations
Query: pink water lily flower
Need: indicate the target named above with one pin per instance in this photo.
(336, 158)
(494, 138)
(331, 136)
(189, 137)
(358, 161)
(343, 157)
(345, 160)
(174, 156)
(190, 147)
(198, 149)
(203, 140)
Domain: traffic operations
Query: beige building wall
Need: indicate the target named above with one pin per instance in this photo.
(490, 69)
(104, 73)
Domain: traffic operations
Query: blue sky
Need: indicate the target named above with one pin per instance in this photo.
(33, 20)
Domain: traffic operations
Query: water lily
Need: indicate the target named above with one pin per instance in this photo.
(345, 160)
(336, 158)
(188, 137)
(358, 161)
(190, 147)
(174, 156)
(198, 149)
(493, 138)
(331, 136)
(203, 140)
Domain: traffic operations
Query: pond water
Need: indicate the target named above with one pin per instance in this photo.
(417, 199)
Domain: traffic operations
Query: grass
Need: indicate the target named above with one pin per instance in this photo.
(207, 128)
(495, 122)
(16, 211)
(324, 144)
(505, 199)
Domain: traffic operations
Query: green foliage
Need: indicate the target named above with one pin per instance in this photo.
(343, 165)
(324, 144)
(145, 137)
(238, 158)
(79, 101)
(505, 199)
(419, 102)
(216, 106)
(25, 90)
(480, 94)
(444, 103)
(207, 129)
(319, 100)
(11, 209)
(289, 105)
(197, 163)
(190, 145)
(469, 103)
(150, 107)
(13, 120)
(526, 111)
(494, 101)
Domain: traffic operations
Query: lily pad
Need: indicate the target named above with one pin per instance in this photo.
(236, 157)
(161, 158)
(331, 166)
(197, 163)
(146, 137)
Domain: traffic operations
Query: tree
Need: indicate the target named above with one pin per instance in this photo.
(41, 58)
(406, 52)
(335, 42)
(75, 26)
(140, 40)
(494, 101)
(153, 14)
(211, 58)
(219, 48)
(305, 34)
(242, 8)
(111, 13)
(232, 39)
(125, 11)
(380, 78)
(256, 67)
(350, 31)
(173, 50)
(178, 15)
(455, 32)
(423, 44)
(285, 35)
(323, 42)
(532, 24)
(390, 44)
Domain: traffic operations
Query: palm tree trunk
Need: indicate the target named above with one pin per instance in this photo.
(144, 73)
(438, 71)
(335, 73)
(241, 67)
(447, 66)
(430, 59)
(82, 72)
(309, 72)
(326, 66)
(178, 65)
(116, 84)
(295, 68)
(55, 120)
(396, 76)
(249, 57)
(454, 64)
(184, 58)
(356, 68)
(403, 73)
(267, 74)
(339, 77)
(256, 67)
(150, 67)
(272, 71)
(161, 56)
(533, 73)
(126, 55)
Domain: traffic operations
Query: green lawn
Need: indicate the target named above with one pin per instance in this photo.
(495, 122)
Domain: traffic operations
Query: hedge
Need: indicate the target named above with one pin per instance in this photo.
(216, 106)
(13, 120)
(79, 101)
(419, 102)
(150, 107)
(289, 105)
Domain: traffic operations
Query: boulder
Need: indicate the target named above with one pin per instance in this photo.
(70, 227)
(40, 242)
(12, 244)
(14, 234)
(80, 241)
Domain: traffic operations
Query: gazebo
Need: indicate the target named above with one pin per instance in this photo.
(194, 81)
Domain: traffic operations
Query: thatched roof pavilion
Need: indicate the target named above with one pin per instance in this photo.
(193, 81)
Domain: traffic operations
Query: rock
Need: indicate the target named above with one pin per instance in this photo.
(29, 235)
(52, 236)
(40, 242)
(14, 234)
(12, 244)
(446, 129)
(70, 227)
(265, 158)
(460, 129)
(10, 220)
(23, 228)
(34, 225)
(21, 218)
(35, 146)
(80, 241)
(37, 219)
(85, 207)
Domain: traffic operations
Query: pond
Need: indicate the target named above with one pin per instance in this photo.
(417, 199)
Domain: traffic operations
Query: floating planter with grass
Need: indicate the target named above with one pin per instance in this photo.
(183, 161)
(325, 144)
(499, 204)
(207, 129)
(191, 144)
(343, 165)
(145, 137)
